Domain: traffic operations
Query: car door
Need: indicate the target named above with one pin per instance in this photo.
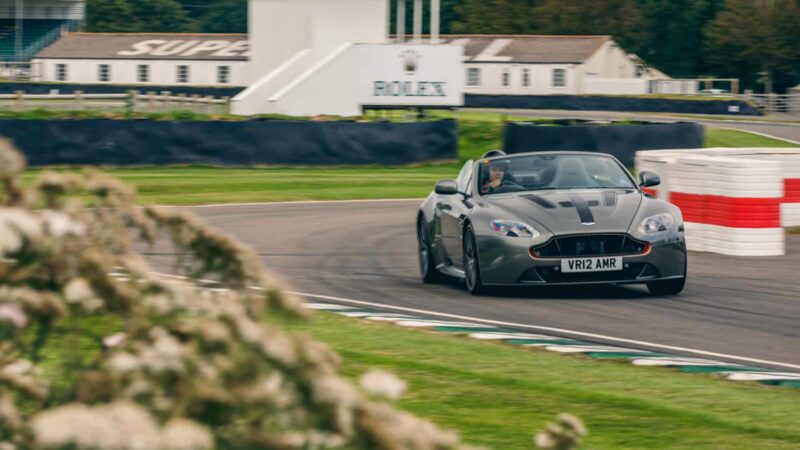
(451, 210)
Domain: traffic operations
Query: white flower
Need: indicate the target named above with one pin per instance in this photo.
(384, 384)
(18, 368)
(115, 340)
(59, 224)
(182, 434)
(8, 412)
(15, 225)
(78, 291)
(119, 426)
(13, 314)
(164, 354)
(123, 362)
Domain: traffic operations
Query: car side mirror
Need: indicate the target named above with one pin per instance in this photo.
(649, 179)
(446, 187)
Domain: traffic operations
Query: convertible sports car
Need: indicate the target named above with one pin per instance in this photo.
(551, 218)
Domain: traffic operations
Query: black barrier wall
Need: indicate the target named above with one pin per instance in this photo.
(600, 103)
(622, 141)
(146, 142)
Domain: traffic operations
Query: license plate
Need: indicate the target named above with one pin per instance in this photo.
(593, 264)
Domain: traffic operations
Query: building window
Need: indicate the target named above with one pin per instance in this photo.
(61, 72)
(183, 74)
(143, 73)
(559, 78)
(506, 78)
(223, 74)
(473, 76)
(103, 73)
(526, 77)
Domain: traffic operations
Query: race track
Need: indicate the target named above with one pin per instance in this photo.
(746, 308)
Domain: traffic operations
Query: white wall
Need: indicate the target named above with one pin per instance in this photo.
(356, 75)
(279, 29)
(615, 86)
(541, 81)
(608, 71)
(610, 61)
(162, 72)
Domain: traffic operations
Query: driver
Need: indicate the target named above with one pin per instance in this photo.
(497, 173)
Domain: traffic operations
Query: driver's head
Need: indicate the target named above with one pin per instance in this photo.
(497, 170)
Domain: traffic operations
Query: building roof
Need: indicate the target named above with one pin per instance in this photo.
(169, 46)
(528, 49)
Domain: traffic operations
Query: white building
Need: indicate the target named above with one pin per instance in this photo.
(335, 57)
(547, 65)
(146, 59)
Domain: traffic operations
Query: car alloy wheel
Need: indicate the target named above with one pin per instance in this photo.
(472, 272)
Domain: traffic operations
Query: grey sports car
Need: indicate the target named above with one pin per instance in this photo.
(551, 218)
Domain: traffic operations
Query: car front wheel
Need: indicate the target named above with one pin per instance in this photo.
(427, 268)
(472, 270)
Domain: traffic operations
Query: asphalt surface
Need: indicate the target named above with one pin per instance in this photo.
(742, 307)
(781, 129)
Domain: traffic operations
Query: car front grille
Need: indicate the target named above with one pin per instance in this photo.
(589, 245)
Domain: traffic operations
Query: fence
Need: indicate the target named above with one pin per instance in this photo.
(788, 103)
(129, 102)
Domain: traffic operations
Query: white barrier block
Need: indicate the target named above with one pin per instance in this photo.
(790, 214)
(702, 237)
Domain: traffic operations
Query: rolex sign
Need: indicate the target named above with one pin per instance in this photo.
(411, 75)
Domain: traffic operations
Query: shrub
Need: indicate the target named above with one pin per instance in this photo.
(183, 367)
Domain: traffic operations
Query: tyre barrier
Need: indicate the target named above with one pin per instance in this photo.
(735, 201)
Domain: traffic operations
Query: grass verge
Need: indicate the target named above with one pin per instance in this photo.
(497, 395)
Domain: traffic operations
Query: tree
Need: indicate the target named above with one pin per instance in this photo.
(756, 41)
(618, 18)
(225, 16)
(673, 40)
(159, 16)
(494, 17)
(109, 16)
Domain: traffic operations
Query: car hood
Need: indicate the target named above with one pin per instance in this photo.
(573, 211)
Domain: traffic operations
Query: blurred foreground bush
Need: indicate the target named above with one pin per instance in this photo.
(185, 367)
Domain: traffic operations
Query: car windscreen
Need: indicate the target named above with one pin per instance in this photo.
(546, 172)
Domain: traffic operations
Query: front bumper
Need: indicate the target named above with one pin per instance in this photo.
(507, 261)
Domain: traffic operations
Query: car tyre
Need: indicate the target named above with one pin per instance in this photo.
(427, 267)
(472, 270)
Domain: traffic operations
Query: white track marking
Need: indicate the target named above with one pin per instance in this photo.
(593, 349)
(297, 202)
(551, 329)
(761, 376)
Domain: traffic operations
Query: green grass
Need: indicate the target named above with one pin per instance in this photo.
(721, 137)
(209, 185)
(497, 395)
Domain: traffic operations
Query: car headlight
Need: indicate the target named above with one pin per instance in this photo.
(657, 223)
(511, 228)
